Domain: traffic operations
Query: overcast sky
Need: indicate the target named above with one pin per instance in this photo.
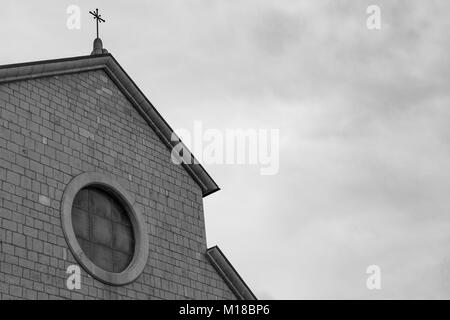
(363, 117)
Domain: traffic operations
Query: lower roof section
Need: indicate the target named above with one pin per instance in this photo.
(229, 274)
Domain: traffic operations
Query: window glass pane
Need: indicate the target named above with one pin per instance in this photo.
(123, 238)
(80, 222)
(102, 257)
(101, 231)
(99, 203)
(119, 215)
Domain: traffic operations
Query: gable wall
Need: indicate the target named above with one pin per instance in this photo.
(90, 126)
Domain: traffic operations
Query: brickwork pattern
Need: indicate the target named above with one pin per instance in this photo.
(55, 128)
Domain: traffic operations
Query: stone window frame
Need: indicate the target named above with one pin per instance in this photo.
(106, 183)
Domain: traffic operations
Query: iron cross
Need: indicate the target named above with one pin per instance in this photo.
(97, 17)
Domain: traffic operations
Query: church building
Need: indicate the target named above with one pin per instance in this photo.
(92, 205)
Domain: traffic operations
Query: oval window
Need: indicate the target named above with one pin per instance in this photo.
(104, 228)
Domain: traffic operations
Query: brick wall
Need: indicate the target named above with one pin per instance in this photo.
(53, 129)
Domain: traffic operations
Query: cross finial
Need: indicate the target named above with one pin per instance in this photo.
(98, 44)
(97, 17)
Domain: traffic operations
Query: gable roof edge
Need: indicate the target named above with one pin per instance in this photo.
(45, 68)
